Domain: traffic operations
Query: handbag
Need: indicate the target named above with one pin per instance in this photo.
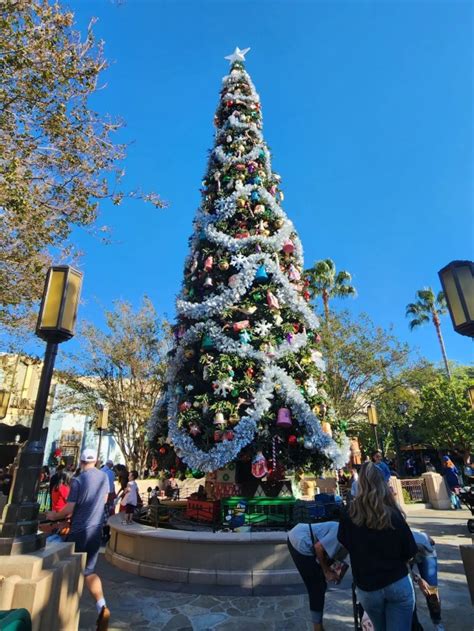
(338, 567)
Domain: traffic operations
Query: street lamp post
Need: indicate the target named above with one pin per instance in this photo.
(457, 280)
(373, 421)
(470, 394)
(101, 424)
(56, 323)
(402, 409)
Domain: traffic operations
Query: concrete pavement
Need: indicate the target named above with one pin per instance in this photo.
(138, 603)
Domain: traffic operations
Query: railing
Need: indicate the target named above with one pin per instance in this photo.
(416, 489)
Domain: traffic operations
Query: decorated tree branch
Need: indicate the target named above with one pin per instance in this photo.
(246, 376)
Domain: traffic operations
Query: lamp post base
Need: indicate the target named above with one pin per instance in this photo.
(22, 545)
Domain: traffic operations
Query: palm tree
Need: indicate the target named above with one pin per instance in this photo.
(429, 306)
(325, 282)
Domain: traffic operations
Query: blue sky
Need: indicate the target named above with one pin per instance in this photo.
(367, 110)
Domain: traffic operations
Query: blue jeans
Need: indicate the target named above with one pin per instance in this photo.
(428, 568)
(390, 608)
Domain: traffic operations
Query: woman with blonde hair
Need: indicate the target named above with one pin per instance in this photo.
(380, 544)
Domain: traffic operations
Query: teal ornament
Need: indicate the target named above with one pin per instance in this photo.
(257, 180)
(301, 440)
(261, 274)
(207, 342)
(197, 474)
(254, 196)
(179, 389)
(343, 425)
(245, 337)
(235, 393)
(261, 154)
(308, 444)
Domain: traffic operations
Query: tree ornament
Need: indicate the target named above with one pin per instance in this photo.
(250, 371)
(240, 326)
(278, 319)
(293, 273)
(207, 342)
(218, 434)
(224, 265)
(254, 196)
(208, 284)
(196, 404)
(259, 465)
(311, 387)
(279, 223)
(284, 418)
(184, 406)
(162, 450)
(222, 387)
(233, 280)
(248, 310)
(228, 435)
(261, 274)
(189, 353)
(208, 263)
(259, 209)
(288, 247)
(244, 337)
(194, 429)
(262, 328)
(292, 439)
(252, 167)
(306, 296)
(229, 138)
(326, 427)
(257, 296)
(219, 419)
(241, 202)
(272, 300)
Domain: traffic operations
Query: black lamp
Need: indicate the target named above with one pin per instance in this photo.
(457, 280)
(56, 323)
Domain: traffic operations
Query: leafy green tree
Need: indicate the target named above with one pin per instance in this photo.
(123, 367)
(444, 417)
(58, 158)
(428, 306)
(323, 280)
(366, 361)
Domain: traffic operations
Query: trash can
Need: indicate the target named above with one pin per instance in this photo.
(15, 620)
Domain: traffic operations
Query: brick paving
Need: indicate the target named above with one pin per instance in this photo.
(139, 603)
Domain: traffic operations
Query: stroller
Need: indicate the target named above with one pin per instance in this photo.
(466, 496)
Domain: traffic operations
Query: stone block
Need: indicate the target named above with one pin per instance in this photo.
(437, 492)
(202, 577)
(276, 577)
(164, 572)
(242, 579)
(126, 564)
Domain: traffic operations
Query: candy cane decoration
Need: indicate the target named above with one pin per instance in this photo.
(274, 451)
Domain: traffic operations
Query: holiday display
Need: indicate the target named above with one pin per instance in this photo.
(246, 377)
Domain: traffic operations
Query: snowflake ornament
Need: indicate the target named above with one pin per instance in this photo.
(222, 387)
(262, 328)
(311, 387)
(238, 260)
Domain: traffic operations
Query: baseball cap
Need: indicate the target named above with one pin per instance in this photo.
(446, 458)
(110, 462)
(89, 455)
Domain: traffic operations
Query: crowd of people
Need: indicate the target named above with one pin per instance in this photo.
(383, 552)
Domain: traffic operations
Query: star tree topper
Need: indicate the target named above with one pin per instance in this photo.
(237, 55)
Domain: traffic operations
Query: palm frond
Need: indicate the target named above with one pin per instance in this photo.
(416, 322)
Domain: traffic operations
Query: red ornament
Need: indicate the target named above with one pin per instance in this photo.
(306, 295)
(185, 405)
(162, 450)
(250, 371)
(218, 436)
(228, 435)
(292, 440)
(296, 328)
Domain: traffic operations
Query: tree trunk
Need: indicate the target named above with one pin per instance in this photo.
(325, 298)
(437, 324)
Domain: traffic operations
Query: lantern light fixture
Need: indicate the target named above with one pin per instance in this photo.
(372, 415)
(4, 403)
(457, 280)
(58, 312)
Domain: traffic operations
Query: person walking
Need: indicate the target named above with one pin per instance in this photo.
(60, 491)
(380, 544)
(130, 497)
(108, 469)
(85, 506)
(313, 547)
(451, 477)
(378, 460)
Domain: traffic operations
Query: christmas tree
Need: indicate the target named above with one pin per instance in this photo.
(246, 377)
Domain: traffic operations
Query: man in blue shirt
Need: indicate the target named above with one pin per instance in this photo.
(108, 469)
(85, 506)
